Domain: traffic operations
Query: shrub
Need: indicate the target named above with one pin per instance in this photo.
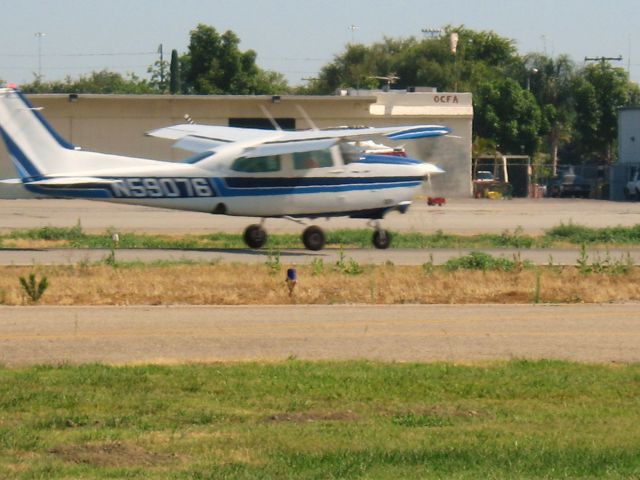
(484, 261)
(34, 289)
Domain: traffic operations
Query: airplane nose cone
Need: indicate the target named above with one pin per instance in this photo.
(428, 169)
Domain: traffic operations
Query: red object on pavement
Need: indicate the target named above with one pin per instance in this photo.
(439, 201)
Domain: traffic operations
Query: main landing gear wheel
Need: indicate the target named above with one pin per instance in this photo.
(381, 239)
(255, 236)
(313, 238)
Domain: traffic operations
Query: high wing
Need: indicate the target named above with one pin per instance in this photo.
(202, 138)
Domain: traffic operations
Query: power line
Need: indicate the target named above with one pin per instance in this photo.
(106, 54)
(78, 67)
(293, 59)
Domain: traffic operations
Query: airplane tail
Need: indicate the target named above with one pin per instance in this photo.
(36, 149)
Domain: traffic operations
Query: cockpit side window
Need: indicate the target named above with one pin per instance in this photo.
(314, 159)
(269, 163)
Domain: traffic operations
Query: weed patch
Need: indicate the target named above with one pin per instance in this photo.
(484, 261)
(469, 279)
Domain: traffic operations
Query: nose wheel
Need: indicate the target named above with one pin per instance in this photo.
(381, 238)
(255, 236)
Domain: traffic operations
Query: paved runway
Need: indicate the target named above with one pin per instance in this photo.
(459, 216)
(466, 333)
(302, 257)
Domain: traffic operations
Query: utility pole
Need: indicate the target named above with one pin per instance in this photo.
(353, 29)
(161, 67)
(39, 36)
(603, 60)
(432, 32)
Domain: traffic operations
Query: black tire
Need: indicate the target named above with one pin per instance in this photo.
(313, 238)
(381, 239)
(627, 194)
(255, 236)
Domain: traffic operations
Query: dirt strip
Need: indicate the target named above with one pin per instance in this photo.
(453, 333)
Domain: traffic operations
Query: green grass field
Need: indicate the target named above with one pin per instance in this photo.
(561, 235)
(297, 419)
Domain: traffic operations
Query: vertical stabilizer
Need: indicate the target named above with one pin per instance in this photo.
(36, 149)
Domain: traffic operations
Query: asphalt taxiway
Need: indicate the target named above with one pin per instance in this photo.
(364, 256)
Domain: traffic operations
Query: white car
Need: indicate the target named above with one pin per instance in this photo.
(632, 188)
(484, 176)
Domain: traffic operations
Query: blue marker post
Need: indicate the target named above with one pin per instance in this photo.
(292, 279)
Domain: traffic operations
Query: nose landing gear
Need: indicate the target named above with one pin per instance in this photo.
(381, 237)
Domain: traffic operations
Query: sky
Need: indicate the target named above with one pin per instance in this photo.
(293, 37)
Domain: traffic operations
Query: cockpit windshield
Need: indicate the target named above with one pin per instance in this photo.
(350, 153)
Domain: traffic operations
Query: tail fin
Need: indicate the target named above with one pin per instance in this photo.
(36, 149)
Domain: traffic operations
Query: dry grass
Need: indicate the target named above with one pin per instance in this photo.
(254, 284)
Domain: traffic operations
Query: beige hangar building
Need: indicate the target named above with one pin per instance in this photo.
(117, 124)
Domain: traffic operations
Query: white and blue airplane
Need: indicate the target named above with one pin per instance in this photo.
(235, 171)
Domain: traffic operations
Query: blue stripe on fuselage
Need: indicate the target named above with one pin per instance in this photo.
(139, 188)
(252, 186)
(388, 160)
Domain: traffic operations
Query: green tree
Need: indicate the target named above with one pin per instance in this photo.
(508, 115)
(174, 73)
(551, 82)
(215, 64)
(599, 91)
(103, 81)
(480, 56)
(159, 80)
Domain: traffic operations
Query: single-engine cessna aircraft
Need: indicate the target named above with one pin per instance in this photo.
(235, 171)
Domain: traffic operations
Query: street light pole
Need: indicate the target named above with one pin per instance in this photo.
(39, 36)
(533, 71)
(353, 29)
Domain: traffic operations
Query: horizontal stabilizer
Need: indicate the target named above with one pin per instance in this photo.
(11, 181)
(71, 181)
